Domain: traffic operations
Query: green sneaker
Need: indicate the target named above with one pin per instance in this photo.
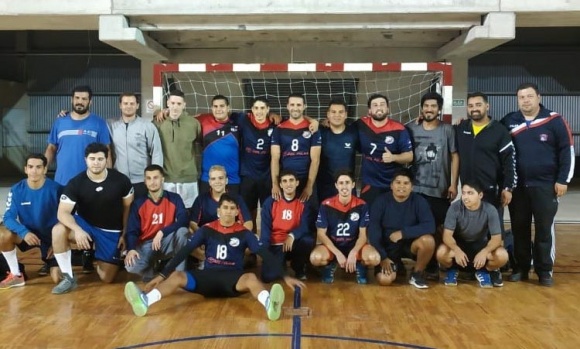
(275, 302)
(136, 298)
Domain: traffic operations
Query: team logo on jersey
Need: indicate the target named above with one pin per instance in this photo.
(234, 242)
(234, 129)
(543, 137)
(98, 189)
(64, 198)
(347, 145)
(306, 134)
(389, 140)
(354, 216)
(270, 130)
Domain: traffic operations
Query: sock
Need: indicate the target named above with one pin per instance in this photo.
(153, 296)
(12, 261)
(264, 298)
(64, 262)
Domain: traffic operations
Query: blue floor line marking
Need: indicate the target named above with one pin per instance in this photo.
(296, 322)
(248, 335)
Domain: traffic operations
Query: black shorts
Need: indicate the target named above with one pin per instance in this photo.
(44, 247)
(255, 190)
(401, 249)
(214, 283)
(471, 249)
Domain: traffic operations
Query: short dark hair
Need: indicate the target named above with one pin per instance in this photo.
(225, 197)
(296, 95)
(477, 94)
(343, 172)
(405, 172)
(83, 88)
(95, 147)
(128, 94)
(177, 93)
(336, 102)
(218, 97)
(155, 167)
(433, 95)
(375, 96)
(527, 85)
(287, 173)
(473, 184)
(261, 99)
(36, 156)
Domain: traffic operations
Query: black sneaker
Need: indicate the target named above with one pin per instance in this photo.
(44, 270)
(496, 278)
(519, 276)
(418, 280)
(88, 259)
(546, 280)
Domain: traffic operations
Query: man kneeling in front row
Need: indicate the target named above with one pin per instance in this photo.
(466, 239)
(225, 242)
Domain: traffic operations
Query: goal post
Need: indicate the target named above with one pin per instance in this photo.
(353, 83)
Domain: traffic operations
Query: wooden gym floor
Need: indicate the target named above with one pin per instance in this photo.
(343, 315)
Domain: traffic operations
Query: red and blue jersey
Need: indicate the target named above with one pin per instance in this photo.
(204, 209)
(282, 217)
(221, 146)
(147, 217)
(295, 142)
(224, 247)
(342, 222)
(255, 155)
(373, 144)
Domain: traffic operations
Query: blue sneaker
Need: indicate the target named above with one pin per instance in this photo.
(328, 272)
(451, 277)
(361, 274)
(484, 279)
(136, 298)
(275, 302)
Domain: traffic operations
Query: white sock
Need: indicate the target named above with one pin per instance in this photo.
(153, 296)
(12, 261)
(264, 298)
(64, 262)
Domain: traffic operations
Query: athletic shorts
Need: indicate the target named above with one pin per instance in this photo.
(345, 252)
(255, 190)
(187, 191)
(213, 283)
(44, 247)
(106, 241)
(471, 249)
(401, 249)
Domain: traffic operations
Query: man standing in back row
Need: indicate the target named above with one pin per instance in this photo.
(385, 147)
(545, 165)
(136, 143)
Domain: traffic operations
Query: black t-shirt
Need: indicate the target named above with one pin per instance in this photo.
(100, 204)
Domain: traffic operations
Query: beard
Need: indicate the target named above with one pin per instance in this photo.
(380, 117)
(477, 116)
(430, 117)
(80, 109)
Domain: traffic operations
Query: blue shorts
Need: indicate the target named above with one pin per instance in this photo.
(105, 241)
(44, 247)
